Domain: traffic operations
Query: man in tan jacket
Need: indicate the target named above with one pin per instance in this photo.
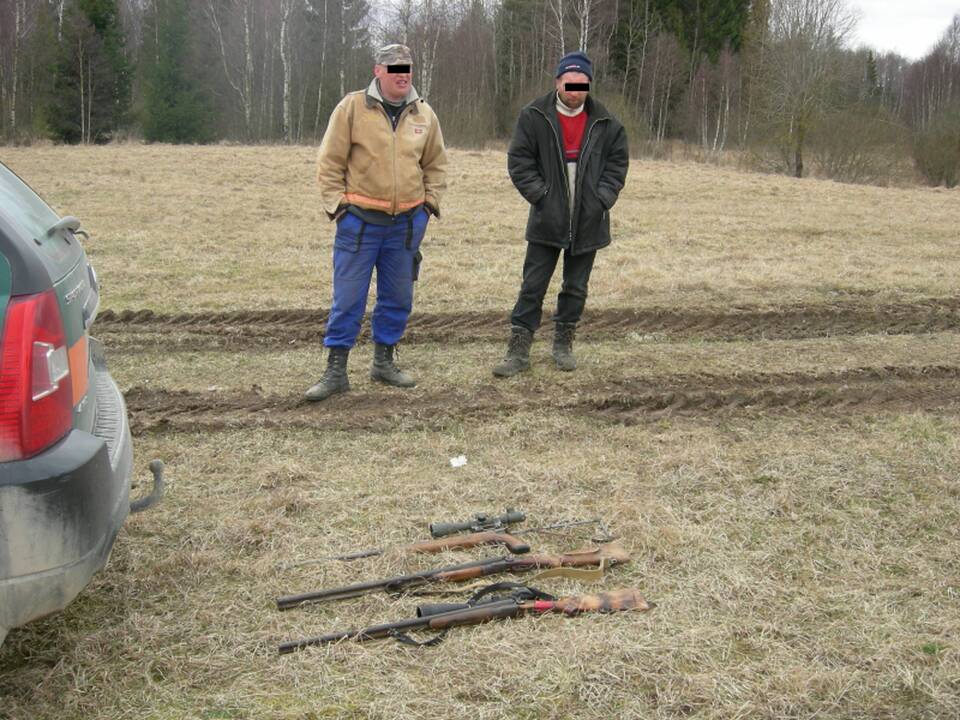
(381, 169)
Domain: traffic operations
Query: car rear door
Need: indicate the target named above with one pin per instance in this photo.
(51, 245)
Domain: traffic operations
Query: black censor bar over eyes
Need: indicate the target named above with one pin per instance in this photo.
(576, 87)
(398, 69)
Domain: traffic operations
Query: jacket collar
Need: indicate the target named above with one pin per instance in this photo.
(548, 106)
(373, 96)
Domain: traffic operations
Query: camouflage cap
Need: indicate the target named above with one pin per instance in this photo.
(393, 55)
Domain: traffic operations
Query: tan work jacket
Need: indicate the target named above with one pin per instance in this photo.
(363, 161)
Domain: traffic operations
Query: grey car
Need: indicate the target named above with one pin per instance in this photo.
(65, 447)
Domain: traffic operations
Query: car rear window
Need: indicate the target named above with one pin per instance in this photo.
(23, 207)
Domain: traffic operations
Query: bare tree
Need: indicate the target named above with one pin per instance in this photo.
(286, 12)
(434, 13)
(933, 83)
(242, 79)
(583, 10)
(802, 65)
(324, 15)
(21, 28)
(559, 16)
(660, 87)
(712, 98)
(641, 26)
(59, 7)
(86, 53)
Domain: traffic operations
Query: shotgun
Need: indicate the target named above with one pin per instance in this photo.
(428, 617)
(609, 554)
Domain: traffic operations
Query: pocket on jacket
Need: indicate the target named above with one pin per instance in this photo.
(539, 202)
(591, 206)
(545, 224)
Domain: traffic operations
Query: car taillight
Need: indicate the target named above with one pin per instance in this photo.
(36, 398)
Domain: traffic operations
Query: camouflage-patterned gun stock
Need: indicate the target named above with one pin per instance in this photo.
(608, 553)
(603, 603)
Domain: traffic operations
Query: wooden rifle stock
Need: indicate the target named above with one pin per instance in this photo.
(603, 603)
(487, 537)
(609, 553)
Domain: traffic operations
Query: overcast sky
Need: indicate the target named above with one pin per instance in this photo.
(909, 27)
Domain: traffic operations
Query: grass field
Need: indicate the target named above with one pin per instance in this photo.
(767, 412)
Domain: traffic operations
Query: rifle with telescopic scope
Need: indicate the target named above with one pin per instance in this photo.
(606, 554)
(444, 617)
(479, 522)
(498, 535)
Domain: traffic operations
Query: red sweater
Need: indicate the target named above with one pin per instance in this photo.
(572, 128)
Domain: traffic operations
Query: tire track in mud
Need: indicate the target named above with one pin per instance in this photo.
(144, 331)
(625, 401)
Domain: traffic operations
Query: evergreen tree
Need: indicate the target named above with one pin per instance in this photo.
(705, 27)
(871, 77)
(514, 28)
(91, 76)
(175, 107)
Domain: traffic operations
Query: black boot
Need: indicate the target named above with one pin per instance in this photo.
(334, 378)
(563, 346)
(517, 358)
(385, 370)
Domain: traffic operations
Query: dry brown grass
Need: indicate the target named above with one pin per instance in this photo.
(209, 228)
(804, 561)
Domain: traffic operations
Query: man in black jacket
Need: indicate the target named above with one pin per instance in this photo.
(568, 158)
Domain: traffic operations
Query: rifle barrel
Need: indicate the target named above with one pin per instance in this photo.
(398, 583)
(370, 633)
(342, 593)
(463, 616)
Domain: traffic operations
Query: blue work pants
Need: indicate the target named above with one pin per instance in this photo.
(358, 248)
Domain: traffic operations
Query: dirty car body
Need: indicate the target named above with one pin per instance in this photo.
(65, 447)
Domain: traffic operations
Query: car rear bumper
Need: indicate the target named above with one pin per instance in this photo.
(61, 511)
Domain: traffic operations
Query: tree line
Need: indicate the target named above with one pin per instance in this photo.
(776, 79)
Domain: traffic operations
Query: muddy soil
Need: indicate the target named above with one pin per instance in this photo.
(628, 400)
(145, 331)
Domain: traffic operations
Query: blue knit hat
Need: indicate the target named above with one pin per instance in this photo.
(575, 62)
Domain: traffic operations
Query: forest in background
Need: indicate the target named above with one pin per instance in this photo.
(777, 80)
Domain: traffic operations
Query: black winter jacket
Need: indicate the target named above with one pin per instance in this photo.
(537, 168)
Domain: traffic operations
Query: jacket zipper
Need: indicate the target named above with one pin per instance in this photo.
(393, 136)
(394, 132)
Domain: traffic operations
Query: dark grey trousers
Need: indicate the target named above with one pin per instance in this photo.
(538, 267)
